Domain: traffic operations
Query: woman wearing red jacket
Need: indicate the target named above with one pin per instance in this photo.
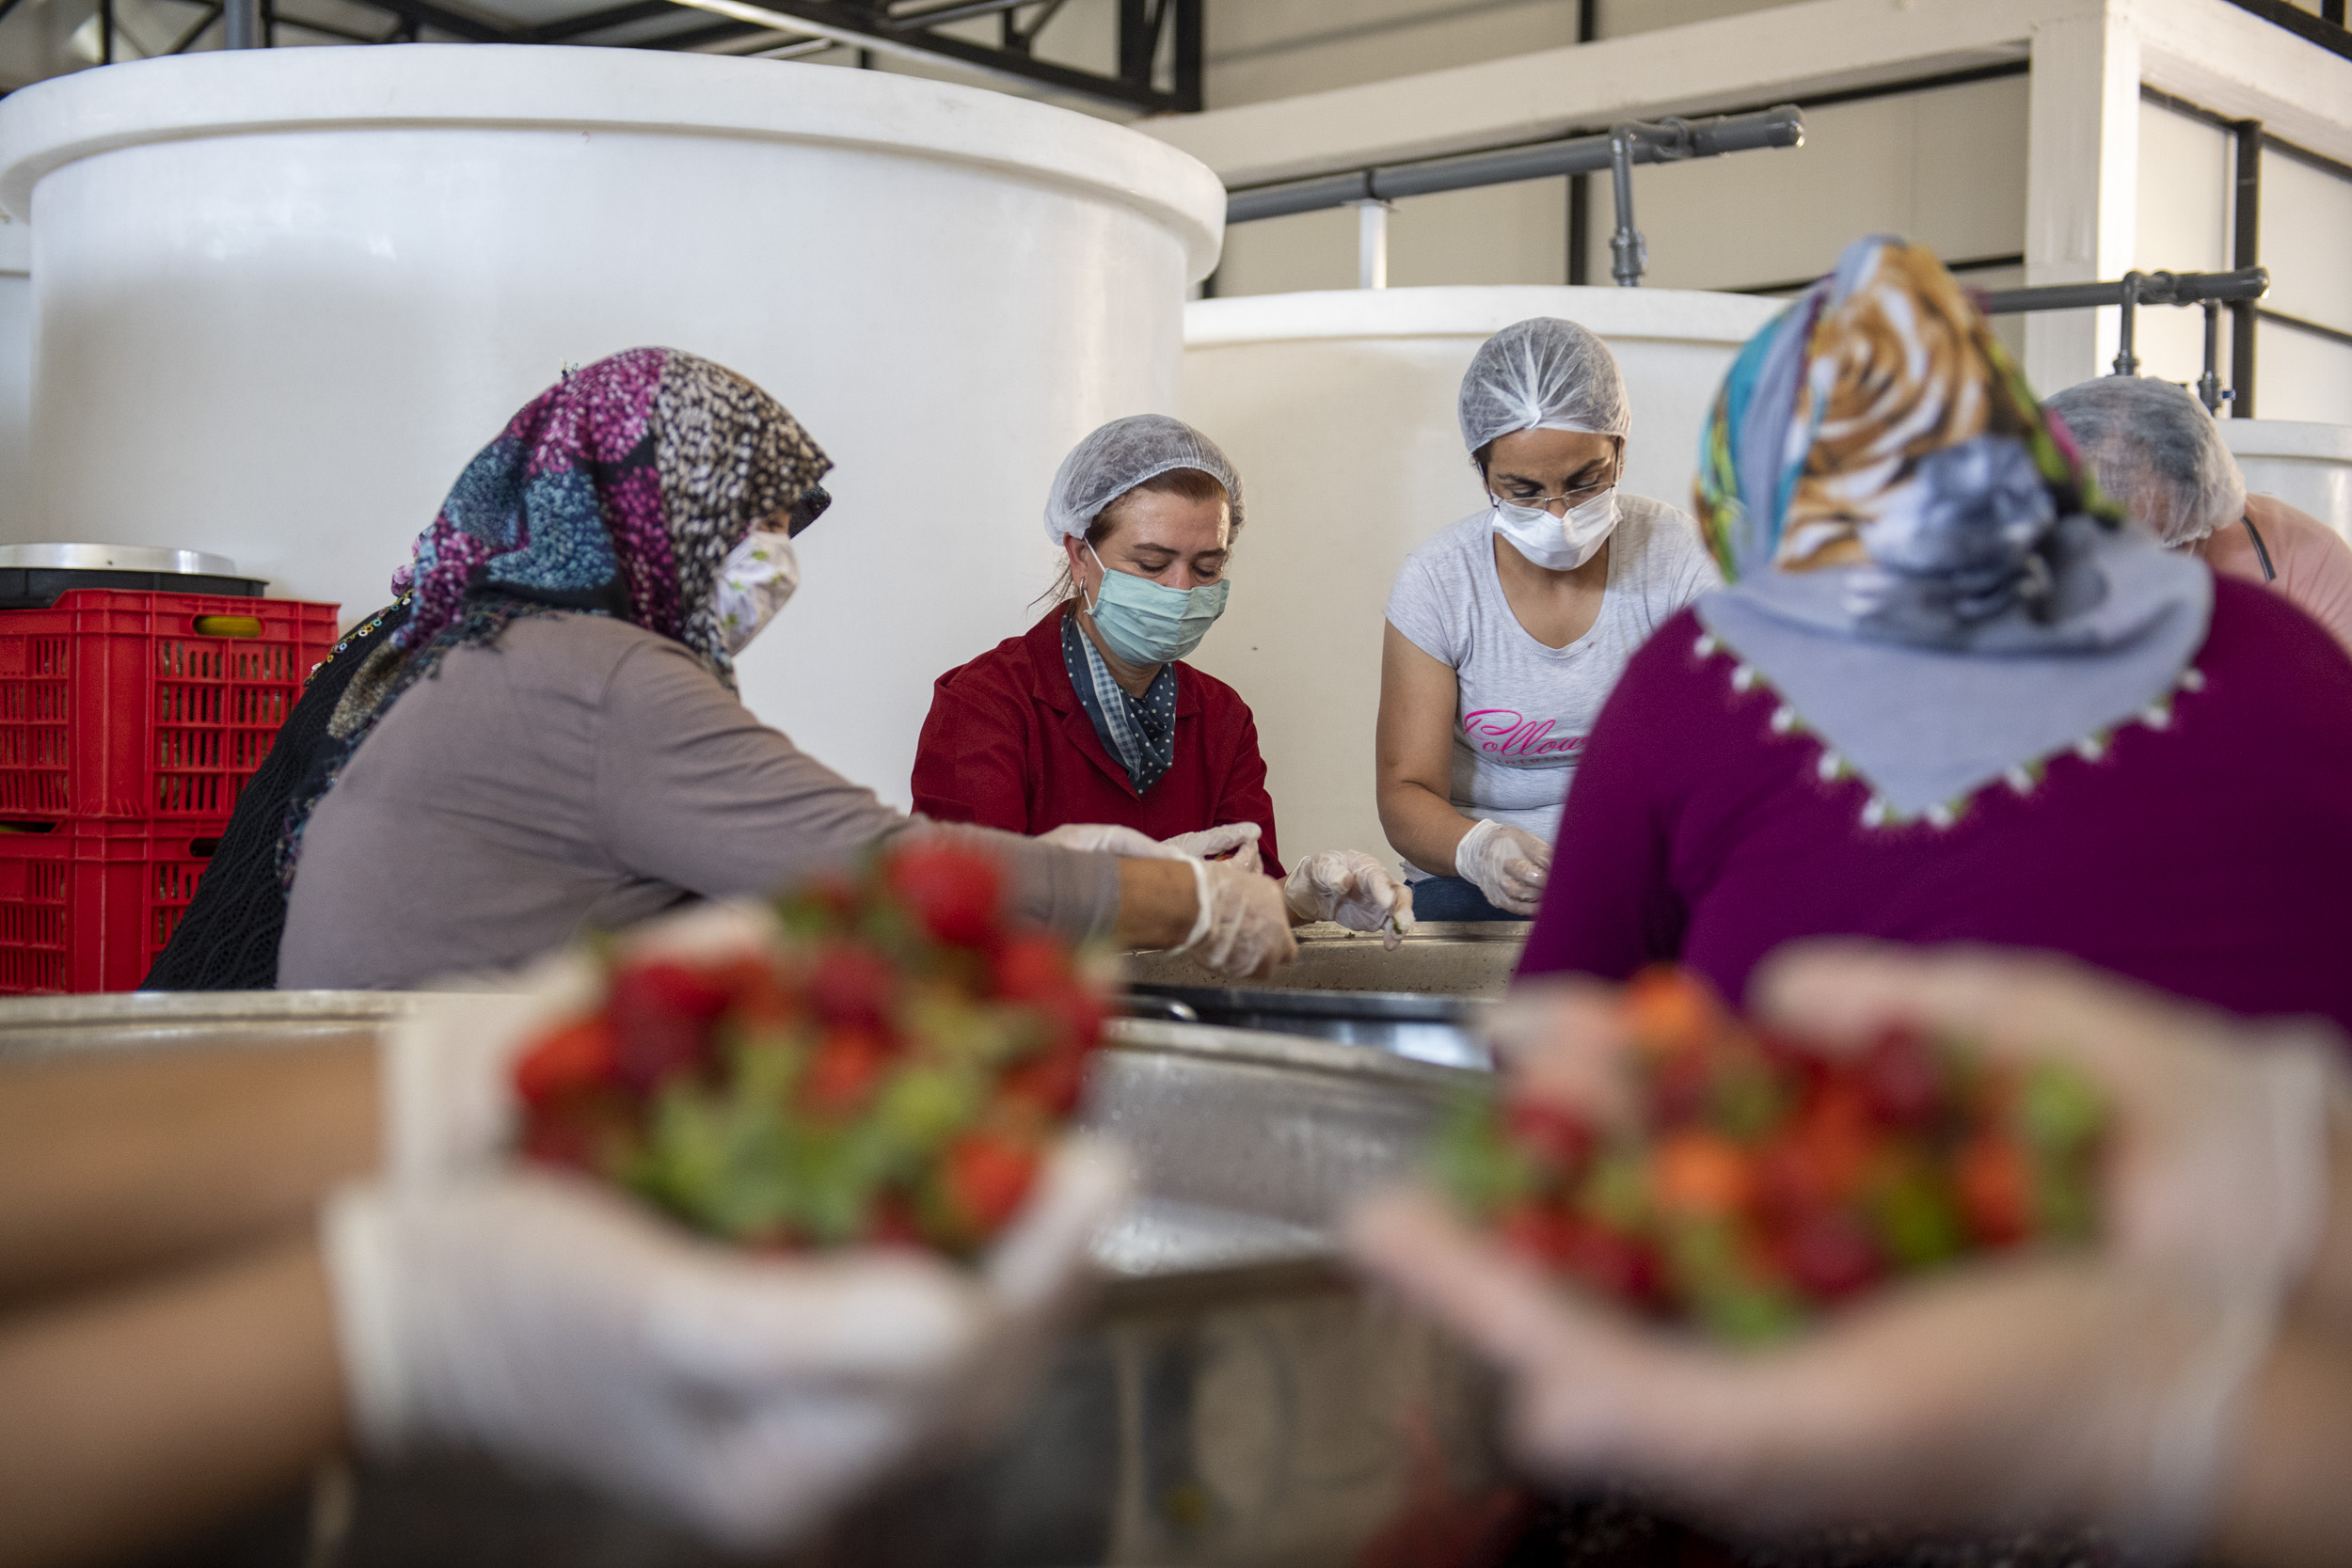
(1090, 728)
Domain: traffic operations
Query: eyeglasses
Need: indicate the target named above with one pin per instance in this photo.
(1574, 498)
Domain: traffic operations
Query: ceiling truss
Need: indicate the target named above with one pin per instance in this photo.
(1159, 42)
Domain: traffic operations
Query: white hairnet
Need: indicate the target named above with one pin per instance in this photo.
(2156, 453)
(1122, 455)
(1543, 374)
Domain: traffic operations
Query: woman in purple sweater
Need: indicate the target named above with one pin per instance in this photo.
(1951, 697)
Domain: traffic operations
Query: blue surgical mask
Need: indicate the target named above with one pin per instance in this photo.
(1147, 624)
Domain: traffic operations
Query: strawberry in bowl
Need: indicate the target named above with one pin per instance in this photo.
(886, 1059)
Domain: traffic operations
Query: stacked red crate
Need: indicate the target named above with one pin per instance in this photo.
(129, 722)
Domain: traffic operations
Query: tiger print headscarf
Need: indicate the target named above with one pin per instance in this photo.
(619, 491)
(1877, 471)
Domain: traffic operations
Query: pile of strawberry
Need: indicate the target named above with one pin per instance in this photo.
(1764, 1180)
(896, 1067)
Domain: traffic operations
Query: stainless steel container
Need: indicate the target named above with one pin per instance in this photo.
(1440, 957)
(32, 576)
(1234, 1399)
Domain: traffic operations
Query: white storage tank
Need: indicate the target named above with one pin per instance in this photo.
(2303, 464)
(282, 296)
(16, 379)
(1339, 410)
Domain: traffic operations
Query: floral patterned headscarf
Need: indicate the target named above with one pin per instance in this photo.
(619, 491)
(1876, 470)
(1878, 422)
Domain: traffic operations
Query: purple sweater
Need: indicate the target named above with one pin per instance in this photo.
(2212, 858)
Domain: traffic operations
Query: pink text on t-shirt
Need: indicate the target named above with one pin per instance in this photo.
(1504, 733)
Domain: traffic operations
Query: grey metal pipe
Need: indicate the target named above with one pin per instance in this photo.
(1629, 253)
(2154, 287)
(242, 22)
(2209, 390)
(1665, 142)
(2134, 285)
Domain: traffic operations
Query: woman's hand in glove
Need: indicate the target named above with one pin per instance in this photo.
(2105, 1387)
(561, 1324)
(1243, 929)
(1352, 888)
(1238, 839)
(1110, 838)
(1505, 864)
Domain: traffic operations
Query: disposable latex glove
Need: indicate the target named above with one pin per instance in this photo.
(1238, 839)
(445, 1071)
(1243, 931)
(563, 1325)
(1505, 864)
(1109, 838)
(2100, 1386)
(1352, 888)
(1999, 1399)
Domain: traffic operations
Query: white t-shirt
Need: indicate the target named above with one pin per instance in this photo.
(1525, 709)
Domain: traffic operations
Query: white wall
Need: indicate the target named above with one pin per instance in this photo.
(1944, 167)
(1258, 50)
(2187, 178)
(2307, 244)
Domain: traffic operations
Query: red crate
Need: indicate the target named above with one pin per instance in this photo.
(114, 704)
(88, 905)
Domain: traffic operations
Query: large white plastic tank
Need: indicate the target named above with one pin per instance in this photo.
(2302, 464)
(1339, 410)
(283, 295)
(16, 378)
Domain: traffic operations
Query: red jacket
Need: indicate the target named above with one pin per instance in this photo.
(1007, 745)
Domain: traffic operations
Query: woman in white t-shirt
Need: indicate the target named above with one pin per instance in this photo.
(1507, 631)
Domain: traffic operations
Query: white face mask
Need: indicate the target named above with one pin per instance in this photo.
(755, 580)
(1558, 544)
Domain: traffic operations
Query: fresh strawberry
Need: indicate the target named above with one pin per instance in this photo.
(1681, 1090)
(1702, 1175)
(851, 984)
(1540, 1233)
(1623, 1266)
(758, 997)
(1669, 1012)
(1901, 1080)
(1555, 1134)
(591, 1131)
(956, 892)
(1831, 1255)
(662, 1014)
(1032, 968)
(841, 1076)
(578, 1056)
(986, 1178)
(1052, 1080)
(1995, 1184)
(894, 1223)
(1836, 1131)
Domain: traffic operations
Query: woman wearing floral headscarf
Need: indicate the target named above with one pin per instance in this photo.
(1949, 697)
(547, 740)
